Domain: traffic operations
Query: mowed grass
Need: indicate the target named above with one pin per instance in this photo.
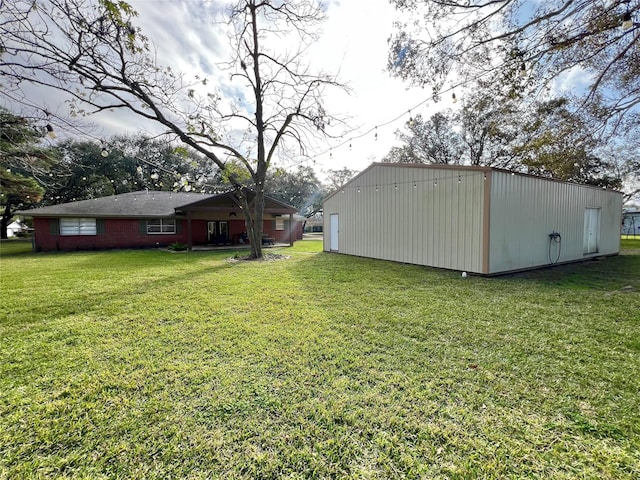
(15, 246)
(150, 364)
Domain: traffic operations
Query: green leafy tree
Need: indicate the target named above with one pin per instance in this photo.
(22, 160)
(84, 173)
(299, 188)
(95, 53)
(428, 141)
(488, 128)
(22, 192)
(161, 165)
(482, 132)
(623, 158)
(560, 143)
(124, 164)
(336, 178)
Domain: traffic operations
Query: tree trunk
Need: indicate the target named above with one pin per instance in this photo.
(4, 221)
(254, 215)
(262, 164)
(254, 230)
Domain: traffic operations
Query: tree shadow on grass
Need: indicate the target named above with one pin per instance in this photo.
(608, 274)
(621, 272)
(90, 281)
(14, 247)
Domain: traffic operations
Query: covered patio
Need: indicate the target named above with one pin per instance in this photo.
(219, 221)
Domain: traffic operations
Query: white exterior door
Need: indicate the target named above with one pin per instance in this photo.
(591, 230)
(333, 232)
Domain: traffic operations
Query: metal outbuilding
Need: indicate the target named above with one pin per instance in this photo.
(474, 219)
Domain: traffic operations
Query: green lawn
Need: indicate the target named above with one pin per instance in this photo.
(15, 246)
(149, 364)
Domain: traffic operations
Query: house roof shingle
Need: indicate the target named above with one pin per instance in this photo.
(145, 204)
(133, 204)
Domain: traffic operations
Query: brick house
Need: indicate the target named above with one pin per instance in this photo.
(155, 219)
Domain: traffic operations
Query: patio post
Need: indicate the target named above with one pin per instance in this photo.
(291, 229)
(189, 239)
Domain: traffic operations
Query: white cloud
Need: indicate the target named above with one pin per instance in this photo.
(574, 81)
(353, 44)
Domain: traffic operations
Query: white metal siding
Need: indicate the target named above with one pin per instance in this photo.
(441, 221)
(525, 210)
(413, 215)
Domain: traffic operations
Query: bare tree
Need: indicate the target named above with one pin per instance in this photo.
(527, 46)
(93, 52)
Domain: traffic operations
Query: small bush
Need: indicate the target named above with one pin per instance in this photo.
(178, 247)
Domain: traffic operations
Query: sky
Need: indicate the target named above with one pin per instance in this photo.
(353, 45)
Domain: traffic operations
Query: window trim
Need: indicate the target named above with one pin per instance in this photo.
(73, 227)
(163, 224)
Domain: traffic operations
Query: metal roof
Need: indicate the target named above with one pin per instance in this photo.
(455, 167)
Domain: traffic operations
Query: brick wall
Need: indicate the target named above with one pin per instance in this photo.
(118, 233)
(129, 233)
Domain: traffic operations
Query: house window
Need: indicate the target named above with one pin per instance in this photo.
(78, 226)
(279, 223)
(160, 226)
